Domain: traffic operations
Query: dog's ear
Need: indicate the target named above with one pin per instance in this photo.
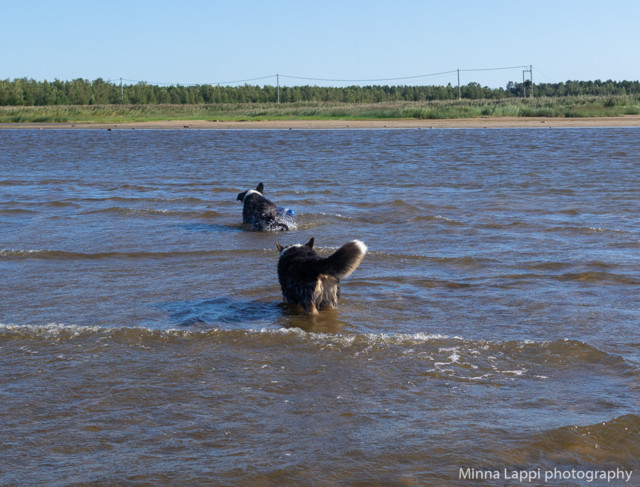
(279, 247)
(260, 188)
(242, 195)
(311, 242)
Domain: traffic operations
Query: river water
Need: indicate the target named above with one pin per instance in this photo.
(492, 327)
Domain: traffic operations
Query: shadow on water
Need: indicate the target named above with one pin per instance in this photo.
(230, 313)
(220, 311)
(226, 312)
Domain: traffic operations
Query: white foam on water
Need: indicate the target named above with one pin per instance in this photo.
(19, 252)
(454, 358)
(514, 372)
(50, 329)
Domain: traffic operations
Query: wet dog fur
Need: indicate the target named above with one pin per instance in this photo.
(312, 281)
(259, 213)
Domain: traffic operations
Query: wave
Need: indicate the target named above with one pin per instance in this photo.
(119, 210)
(136, 187)
(515, 358)
(62, 204)
(43, 182)
(397, 204)
(586, 277)
(463, 262)
(589, 271)
(43, 254)
(436, 218)
(337, 216)
(585, 230)
(595, 273)
(379, 218)
(614, 442)
(455, 358)
(17, 211)
(38, 204)
(411, 280)
(308, 192)
(223, 310)
(11, 182)
(599, 277)
(154, 212)
(347, 340)
(126, 199)
(209, 214)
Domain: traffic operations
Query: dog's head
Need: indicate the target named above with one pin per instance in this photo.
(259, 189)
(282, 249)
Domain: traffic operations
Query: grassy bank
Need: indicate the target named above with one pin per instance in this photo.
(587, 106)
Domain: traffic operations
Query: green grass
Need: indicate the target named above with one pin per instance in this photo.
(588, 106)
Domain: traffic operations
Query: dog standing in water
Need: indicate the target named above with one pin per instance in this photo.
(258, 213)
(312, 281)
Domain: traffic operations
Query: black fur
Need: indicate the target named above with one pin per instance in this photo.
(312, 281)
(258, 213)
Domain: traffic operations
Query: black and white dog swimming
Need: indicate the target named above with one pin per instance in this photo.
(258, 213)
(312, 281)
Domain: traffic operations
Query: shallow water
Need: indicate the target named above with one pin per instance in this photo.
(491, 326)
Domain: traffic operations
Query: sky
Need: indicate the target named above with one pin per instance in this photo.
(326, 43)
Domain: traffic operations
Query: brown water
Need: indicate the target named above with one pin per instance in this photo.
(492, 327)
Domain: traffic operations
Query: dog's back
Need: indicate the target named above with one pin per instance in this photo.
(312, 281)
(258, 213)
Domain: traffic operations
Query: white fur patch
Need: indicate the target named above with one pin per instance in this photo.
(251, 191)
(289, 247)
(361, 246)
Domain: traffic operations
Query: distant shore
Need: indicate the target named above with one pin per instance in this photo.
(481, 122)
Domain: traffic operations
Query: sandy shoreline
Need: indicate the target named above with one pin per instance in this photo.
(489, 122)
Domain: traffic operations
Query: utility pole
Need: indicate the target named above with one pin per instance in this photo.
(121, 92)
(524, 87)
(278, 86)
(459, 97)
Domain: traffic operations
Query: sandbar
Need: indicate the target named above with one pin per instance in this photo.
(458, 123)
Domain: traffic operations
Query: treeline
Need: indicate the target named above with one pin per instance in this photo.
(29, 92)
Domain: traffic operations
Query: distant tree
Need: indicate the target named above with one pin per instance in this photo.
(4, 92)
(22, 91)
(15, 95)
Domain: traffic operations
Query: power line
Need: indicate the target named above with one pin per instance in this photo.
(544, 75)
(332, 80)
(157, 83)
(243, 80)
(493, 69)
(367, 80)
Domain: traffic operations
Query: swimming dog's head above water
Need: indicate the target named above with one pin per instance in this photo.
(258, 213)
(259, 190)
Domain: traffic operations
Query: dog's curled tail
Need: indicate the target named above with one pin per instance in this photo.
(346, 259)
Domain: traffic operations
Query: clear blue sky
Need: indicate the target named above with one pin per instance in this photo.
(198, 42)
